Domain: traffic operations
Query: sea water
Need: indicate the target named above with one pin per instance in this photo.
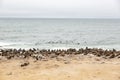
(59, 33)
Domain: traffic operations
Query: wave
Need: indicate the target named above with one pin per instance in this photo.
(4, 43)
(55, 45)
(67, 42)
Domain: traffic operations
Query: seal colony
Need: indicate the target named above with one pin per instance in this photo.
(44, 54)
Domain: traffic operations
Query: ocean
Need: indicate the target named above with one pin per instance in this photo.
(59, 33)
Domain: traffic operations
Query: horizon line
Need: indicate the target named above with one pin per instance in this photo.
(53, 18)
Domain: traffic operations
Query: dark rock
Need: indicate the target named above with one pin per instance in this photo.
(66, 62)
(24, 64)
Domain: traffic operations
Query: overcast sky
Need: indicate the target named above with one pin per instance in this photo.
(60, 8)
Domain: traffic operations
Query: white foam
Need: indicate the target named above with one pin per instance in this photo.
(60, 48)
(110, 47)
(28, 46)
(4, 43)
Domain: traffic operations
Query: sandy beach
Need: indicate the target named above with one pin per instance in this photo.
(60, 70)
(77, 67)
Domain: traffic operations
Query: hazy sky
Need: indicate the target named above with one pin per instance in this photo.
(60, 8)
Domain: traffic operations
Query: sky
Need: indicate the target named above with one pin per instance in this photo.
(60, 8)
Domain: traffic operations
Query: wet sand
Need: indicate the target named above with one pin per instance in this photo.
(73, 67)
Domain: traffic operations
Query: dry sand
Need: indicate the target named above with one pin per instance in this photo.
(82, 69)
